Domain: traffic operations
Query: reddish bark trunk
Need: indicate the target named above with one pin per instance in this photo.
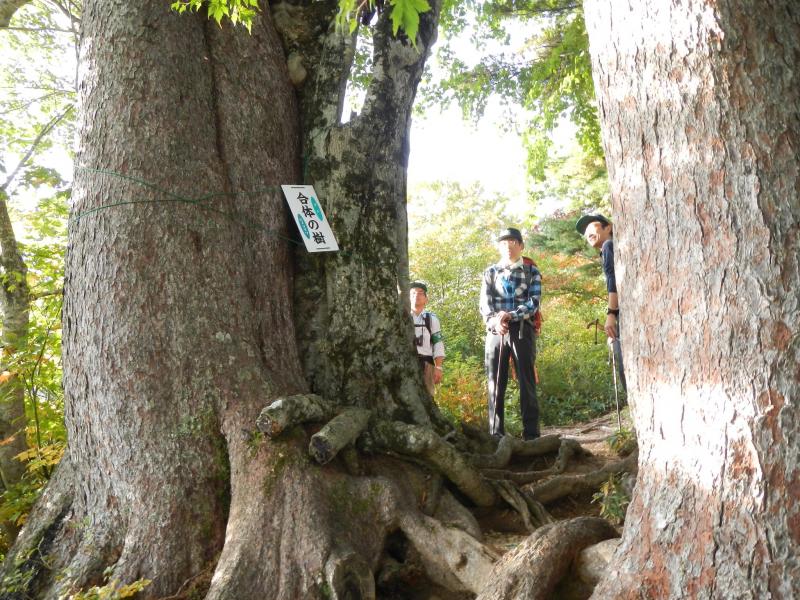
(699, 104)
(178, 320)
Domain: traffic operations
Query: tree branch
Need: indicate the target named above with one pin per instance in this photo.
(7, 10)
(40, 295)
(24, 105)
(32, 148)
(67, 10)
(38, 29)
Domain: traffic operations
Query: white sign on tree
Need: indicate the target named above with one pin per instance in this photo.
(310, 218)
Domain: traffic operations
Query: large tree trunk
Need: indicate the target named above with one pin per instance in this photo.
(178, 319)
(700, 105)
(352, 307)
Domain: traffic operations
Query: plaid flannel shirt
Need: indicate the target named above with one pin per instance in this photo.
(514, 288)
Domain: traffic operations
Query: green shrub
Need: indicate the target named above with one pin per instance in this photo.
(623, 442)
(462, 394)
(613, 500)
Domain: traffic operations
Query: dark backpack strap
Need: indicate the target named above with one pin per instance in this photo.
(426, 321)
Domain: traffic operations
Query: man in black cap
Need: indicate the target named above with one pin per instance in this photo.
(510, 294)
(599, 233)
(427, 336)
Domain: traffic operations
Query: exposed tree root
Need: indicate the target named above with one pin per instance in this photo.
(532, 512)
(348, 576)
(452, 558)
(547, 444)
(500, 458)
(520, 478)
(535, 567)
(568, 485)
(340, 431)
(424, 443)
(27, 567)
(509, 447)
(442, 536)
(433, 495)
(477, 434)
(566, 451)
(286, 412)
(454, 514)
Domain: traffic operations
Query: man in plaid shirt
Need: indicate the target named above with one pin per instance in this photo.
(510, 294)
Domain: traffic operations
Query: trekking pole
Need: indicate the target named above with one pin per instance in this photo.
(497, 374)
(614, 375)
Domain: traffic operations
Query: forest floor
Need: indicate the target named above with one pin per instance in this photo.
(594, 438)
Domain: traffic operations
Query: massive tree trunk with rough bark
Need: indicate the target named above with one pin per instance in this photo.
(177, 321)
(189, 308)
(700, 106)
(180, 318)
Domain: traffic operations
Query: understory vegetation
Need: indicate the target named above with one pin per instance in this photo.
(450, 254)
(448, 249)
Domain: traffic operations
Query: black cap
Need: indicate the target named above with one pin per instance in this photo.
(510, 234)
(584, 221)
(418, 284)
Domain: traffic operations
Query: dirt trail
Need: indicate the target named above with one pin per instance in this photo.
(593, 437)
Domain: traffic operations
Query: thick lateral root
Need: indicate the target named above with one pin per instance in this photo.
(520, 478)
(569, 485)
(535, 567)
(547, 444)
(424, 443)
(433, 495)
(286, 412)
(340, 431)
(451, 513)
(509, 447)
(566, 451)
(500, 458)
(451, 557)
(348, 576)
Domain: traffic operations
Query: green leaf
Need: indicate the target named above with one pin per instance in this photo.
(405, 16)
(238, 12)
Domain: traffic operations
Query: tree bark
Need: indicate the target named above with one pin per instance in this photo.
(700, 107)
(177, 326)
(179, 321)
(352, 312)
(535, 567)
(15, 310)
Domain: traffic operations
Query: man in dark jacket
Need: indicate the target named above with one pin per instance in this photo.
(599, 233)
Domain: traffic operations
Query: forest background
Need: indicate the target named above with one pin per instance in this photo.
(530, 66)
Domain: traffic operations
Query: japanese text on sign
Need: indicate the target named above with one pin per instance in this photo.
(314, 227)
